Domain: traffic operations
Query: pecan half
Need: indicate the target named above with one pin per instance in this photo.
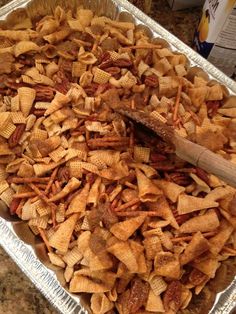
(62, 82)
(90, 178)
(122, 63)
(106, 64)
(13, 85)
(163, 165)
(64, 174)
(212, 107)
(180, 178)
(102, 88)
(91, 89)
(113, 70)
(105, 57)
(149, 58)
(202, 174)
(16, 135)
(151, 80)
(138, 295)
(155, 157)
(39, 112)
(44, 93)
(180, 218)
(196, 277)
(172, 296)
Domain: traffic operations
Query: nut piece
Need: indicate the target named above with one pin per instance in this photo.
(113, 70)
(122, 63)
(16, 135)
(151, 80)
(202, 175)
(44, 93)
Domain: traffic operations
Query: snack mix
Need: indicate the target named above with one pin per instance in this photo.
(129, 223)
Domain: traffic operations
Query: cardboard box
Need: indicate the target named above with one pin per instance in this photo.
(184, 4)
(215, 37)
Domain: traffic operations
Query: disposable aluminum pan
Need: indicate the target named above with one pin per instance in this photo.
(15, 236)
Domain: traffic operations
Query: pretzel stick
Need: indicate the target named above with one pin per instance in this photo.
(46, 200)
(114, 203)
(58, 186)
(130, 185)
(143, 46)
(177, 100)
(229, 250)
(42, 195)
(127, 205)
(29, 180)
(195, 117)
(33, 200)
(137, 213)
(54, 189)
(52, 178)
(189, 238)
(107, 144)
(25, 195)
(42, 186)
(81, 42)
(44, 238)
(110, 139)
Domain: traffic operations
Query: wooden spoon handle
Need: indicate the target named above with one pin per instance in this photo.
(207, 160)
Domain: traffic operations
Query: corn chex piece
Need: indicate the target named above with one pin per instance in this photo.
(49, 232)
(100, 76)
(60, 213)
(34, 229)
(114, 55)
(7, 132)
(157, 284)
(141, 154)
(156, 115)
(58, 154)
(76, 168)
(29, 212)
(39, 134)
(18, 117)
(3, 173)
(7, 196)
(71, 153)
(3, 186)
(41, 105)
(15, 103)
(42, 208)
(78, 68)
(40, 222)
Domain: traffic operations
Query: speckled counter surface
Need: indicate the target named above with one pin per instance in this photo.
(17, 294)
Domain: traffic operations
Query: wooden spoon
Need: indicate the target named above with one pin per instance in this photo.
(195, 154)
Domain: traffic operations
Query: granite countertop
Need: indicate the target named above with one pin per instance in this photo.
(17, 294)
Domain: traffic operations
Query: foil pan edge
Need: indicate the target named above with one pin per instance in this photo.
(44, 279)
